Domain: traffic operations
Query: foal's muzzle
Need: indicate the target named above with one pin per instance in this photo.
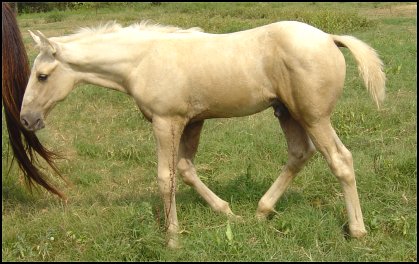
(32, 121)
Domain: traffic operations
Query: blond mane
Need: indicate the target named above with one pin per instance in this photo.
(147, 25)
(113, 26)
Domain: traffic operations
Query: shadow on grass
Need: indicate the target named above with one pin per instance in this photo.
(241, 191)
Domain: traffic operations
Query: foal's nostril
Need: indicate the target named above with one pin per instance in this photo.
(24, 122)
(39, 124)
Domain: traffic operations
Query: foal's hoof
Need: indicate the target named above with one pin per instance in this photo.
(173, 243)
(263, 215)
(235, 218)
(264, 210)
(357, 233)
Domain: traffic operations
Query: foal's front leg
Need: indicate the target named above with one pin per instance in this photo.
(168, 133)
(187, 150)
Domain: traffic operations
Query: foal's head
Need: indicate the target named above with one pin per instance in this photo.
(50, 81)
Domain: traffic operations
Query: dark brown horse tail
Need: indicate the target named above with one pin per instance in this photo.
(15, 75)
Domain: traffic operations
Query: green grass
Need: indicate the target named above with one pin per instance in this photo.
(114, 211)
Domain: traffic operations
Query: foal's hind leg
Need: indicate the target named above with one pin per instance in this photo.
(300, 149)
(187, 149)
(340, 161)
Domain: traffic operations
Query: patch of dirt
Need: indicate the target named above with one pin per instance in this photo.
(397, 10)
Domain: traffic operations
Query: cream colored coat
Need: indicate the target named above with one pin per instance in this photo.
(179, 77)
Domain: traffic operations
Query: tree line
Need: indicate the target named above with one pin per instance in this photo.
(38, 7)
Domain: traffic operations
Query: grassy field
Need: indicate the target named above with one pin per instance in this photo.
(114, 211)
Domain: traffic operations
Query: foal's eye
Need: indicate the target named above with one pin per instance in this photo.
(42, 77)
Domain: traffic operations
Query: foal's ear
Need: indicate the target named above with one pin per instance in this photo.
(43, 42)
(35, 38)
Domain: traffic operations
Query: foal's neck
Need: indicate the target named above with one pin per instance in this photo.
(103, 64)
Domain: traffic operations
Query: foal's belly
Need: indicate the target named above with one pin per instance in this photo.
(231, 105)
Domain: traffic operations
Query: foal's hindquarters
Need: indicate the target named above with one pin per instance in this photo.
(304, 116)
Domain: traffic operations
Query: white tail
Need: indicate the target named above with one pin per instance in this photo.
(369, 65)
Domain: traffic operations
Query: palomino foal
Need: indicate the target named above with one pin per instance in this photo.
(179, 78)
